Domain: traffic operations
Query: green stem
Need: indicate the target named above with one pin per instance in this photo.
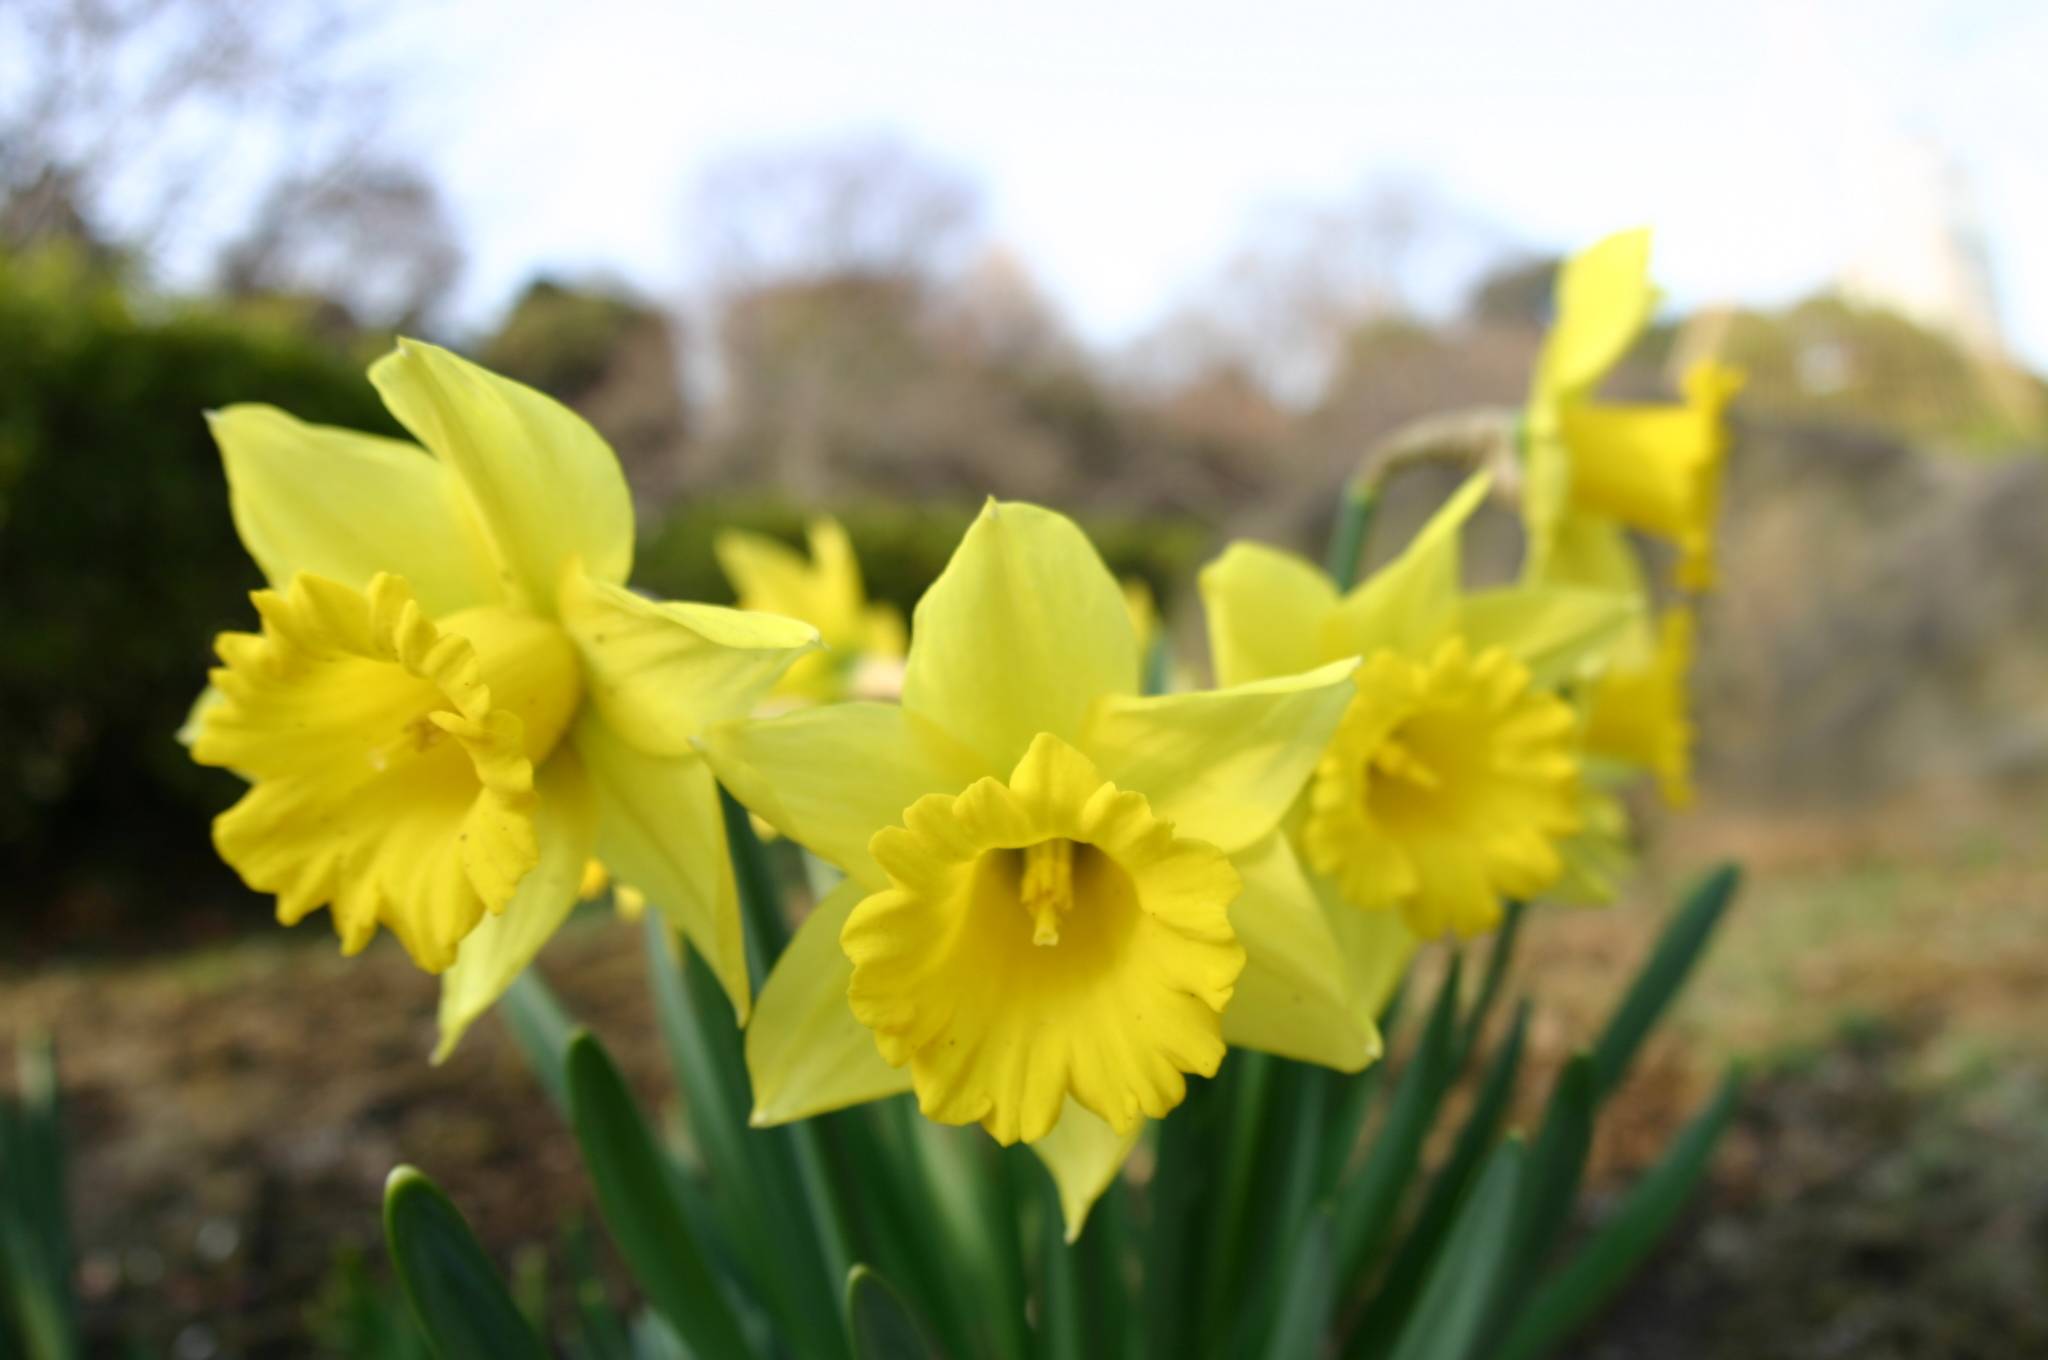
(1347, 535)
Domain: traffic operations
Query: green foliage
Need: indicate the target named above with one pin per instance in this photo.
(561, 339)
(37, 1318)
(454, 1291)
(1828, 360)
(1257, 1233)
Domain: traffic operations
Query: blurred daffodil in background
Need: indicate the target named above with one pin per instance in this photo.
(863, 641)
(454, 704)
(1596, 469)
(1638, 711)
(1454, 775)
(1062, 896)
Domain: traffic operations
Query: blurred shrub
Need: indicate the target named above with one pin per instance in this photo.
(1832, 362)
(902, 546)
(118, 561)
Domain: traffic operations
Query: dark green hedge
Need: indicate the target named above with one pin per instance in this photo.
(118, 564)
(118, 561)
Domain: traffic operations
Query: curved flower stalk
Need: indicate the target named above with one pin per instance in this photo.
(1598, 468)
(1061, 897)
(1454, 777)
(863, 642)
(454, 704)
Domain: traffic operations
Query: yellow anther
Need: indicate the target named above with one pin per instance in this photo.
(1047, 887)
(1398, 762)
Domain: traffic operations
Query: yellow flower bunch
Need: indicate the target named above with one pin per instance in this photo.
(1062, 896)
(454, 704)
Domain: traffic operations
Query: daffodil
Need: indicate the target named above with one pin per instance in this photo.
(1453, 777)
(1062, 897)
(1637, 712)
(863, 641)
(1596, 468)
(454, 704)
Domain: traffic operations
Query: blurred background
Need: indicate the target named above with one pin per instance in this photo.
(1175, 269)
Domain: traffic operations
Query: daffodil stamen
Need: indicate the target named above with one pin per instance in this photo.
(1046, 887)
(1396, 761)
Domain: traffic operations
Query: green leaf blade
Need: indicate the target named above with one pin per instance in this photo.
(455, 1293)
(640, 1206)
(1678, 950)
(1593, 1276)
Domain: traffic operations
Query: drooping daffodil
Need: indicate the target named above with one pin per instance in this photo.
(1597, 468)
(863, 640)
(454, 704)
(1062, 896)
(1454, 775)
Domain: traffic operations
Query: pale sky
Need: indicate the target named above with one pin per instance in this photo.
(1122, 148)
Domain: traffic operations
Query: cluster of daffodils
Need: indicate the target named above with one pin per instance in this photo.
(1058, 895)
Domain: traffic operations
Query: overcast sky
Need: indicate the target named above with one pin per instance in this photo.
(1123, 147)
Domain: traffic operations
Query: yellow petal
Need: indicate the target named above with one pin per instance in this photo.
(1084, 1154)
(1640, 711)
(660, 829)
(1296, 996)
(1376, 946)
(188, 731)
(1593, 552)
(1559, 633)
(1604, 299)
(347, 506)
(806, 1053)
(660, 673)
(765, 573)
(1266, 612)
(1412, 602)
(546, 489)
(501, 946)
(1020, 633)
(1222, 765)
(829, 778)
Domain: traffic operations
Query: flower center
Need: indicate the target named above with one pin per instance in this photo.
(1044, 937)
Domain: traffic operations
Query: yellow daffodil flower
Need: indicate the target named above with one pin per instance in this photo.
(454, 704)
(1596, 468)
(1061, 897)
(1453, 777)
(861, 639)
(1637, 713)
